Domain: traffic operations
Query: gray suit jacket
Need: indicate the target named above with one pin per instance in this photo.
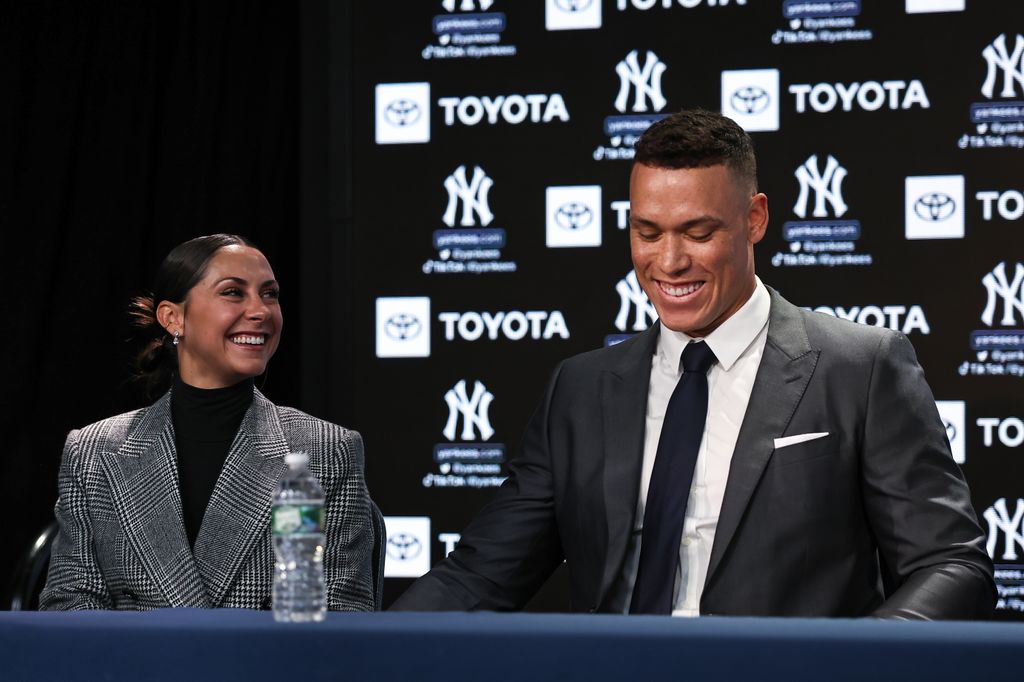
(874, 519)
(122, 543)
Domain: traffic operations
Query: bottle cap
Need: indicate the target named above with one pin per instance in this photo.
(296, 459)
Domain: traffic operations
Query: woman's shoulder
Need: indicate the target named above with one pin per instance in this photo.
(294, 419)
(113, 431)
(317, 437)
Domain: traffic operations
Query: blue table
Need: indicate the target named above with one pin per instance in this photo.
(189, 645)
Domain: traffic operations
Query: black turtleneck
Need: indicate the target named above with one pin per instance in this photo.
(205, 423)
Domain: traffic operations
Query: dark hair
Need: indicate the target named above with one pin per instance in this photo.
(181, 270)
(697, 138)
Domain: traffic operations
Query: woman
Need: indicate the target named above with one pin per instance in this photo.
(170, 505)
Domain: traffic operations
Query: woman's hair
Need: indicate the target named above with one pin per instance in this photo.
(181, 270)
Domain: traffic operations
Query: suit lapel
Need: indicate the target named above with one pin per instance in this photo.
(143, 479)
(238, 514)
(623, 414)
(782, 377)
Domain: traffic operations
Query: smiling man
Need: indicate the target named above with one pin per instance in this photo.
(741, 457)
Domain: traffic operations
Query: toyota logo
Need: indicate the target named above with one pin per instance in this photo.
(403, 326)
(573, 5)
(750, 100)
(404, 547)
(950, 431)
(934, 206)
(574, 216)
(402, 112)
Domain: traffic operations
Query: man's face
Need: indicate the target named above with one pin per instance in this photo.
(692, 233)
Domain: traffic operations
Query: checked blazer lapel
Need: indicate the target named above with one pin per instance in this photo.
(238, 514)
(623, 419)
(143, 480)
(785, 371)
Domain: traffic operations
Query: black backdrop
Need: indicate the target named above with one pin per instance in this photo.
(131, 127)
(127, 128)
(443, 89)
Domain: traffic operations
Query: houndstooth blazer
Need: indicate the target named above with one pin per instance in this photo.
(122, 542)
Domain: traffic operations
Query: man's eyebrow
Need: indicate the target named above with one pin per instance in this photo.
(693, 222)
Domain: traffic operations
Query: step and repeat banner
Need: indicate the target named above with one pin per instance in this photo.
(491, 156)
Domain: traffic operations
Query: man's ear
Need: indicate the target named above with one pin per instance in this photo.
(757, 218)
(171, 317)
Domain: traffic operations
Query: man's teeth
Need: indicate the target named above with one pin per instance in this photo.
(681, 291)
(251, 340)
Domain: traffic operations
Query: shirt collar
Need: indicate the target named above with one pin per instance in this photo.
(730, 339)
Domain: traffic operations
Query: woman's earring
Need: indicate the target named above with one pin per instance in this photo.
(175, 339)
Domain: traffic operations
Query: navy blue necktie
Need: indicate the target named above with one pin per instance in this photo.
(678, 446)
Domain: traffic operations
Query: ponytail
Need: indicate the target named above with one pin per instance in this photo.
(155, 364)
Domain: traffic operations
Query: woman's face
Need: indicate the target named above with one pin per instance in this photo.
(230, 322)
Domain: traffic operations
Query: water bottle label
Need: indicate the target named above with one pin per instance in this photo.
(297, 519)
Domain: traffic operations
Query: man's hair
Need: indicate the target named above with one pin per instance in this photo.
(697, 138)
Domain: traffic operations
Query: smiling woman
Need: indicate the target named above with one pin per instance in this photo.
(170, 505)
(229, 325)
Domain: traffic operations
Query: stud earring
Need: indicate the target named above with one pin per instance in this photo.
(175, 339)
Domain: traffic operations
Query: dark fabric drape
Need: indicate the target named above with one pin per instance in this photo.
(127, 127)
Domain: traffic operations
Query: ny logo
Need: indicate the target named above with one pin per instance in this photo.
(467, 5)
(999, 520)
(827, 186)
(472, 408)
(630, 294)
(473, 195)
(646, 80)
(1012, 66)
(1012, 294)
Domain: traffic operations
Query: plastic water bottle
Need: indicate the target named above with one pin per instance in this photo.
(297, 526)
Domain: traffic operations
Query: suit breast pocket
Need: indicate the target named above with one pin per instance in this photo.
(816, 448)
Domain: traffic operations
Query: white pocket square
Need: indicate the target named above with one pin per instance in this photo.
(799, 438)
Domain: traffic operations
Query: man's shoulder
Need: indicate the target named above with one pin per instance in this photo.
(829, 332)
(824, 331)
(613, 357)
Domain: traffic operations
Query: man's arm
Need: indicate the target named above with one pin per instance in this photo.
(74, 581)
(511, 547)
(917, 501)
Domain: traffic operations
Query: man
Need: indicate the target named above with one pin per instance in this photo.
(741, 457)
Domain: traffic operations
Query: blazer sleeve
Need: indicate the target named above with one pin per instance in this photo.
(347, 527)
(74, 581)
(917, 500)
(511, 547)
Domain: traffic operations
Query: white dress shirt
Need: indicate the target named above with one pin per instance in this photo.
(738, 344)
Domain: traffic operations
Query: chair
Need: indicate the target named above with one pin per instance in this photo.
(380, 540)
(29, 574)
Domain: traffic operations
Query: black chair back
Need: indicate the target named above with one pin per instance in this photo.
(30, 572)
